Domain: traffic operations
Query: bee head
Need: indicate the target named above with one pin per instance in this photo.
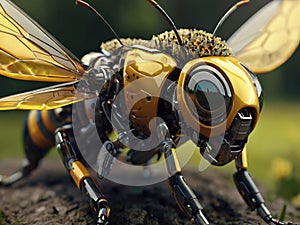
(221, 99)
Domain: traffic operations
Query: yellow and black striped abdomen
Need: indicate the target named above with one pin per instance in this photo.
(39, 133)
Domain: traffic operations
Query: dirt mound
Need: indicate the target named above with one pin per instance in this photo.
(51, 197)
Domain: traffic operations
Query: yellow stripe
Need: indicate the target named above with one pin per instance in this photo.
(176, 161)
(47, 122)
(35, 133)
(244, 159)
(78, 172)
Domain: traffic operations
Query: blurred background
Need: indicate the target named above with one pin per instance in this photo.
(274, 144)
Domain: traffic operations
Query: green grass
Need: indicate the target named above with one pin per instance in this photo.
(11, 128)
(277, 135)
(3, 220)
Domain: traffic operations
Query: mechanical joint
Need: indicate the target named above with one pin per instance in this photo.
(67, 153)
(103, 213)
(172, 161)
(65, 147)
(89, 189)
(248, 189)
(105, 158)
(97, 200)
(251, 194)
(186, 199)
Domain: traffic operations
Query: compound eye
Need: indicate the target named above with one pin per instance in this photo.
(209, 96)
(210, 93)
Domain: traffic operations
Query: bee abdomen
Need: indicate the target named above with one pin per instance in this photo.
(39, 133)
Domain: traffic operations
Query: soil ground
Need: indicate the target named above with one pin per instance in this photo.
(49, 196)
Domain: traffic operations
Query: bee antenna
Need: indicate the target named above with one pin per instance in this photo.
(163, 12)
(228, 13)
(85, 4)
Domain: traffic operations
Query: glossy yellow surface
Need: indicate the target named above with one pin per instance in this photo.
(244, 159)
(78, 172)
(175, 160)
(144, 75)
(243, 91)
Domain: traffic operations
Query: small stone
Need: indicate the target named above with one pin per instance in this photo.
(60, 210)
(40, 209)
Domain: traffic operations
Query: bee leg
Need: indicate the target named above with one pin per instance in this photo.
(183, 194)
(25, 170)
(80, 174)
(250, 192)
(29, 164)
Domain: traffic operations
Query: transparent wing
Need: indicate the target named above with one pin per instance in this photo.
(28, 52)
(46, 98)
(269, 37)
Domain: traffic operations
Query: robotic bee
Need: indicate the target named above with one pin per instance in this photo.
(143, 97)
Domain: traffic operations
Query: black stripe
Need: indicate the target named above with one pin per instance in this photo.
(43, 129)
(53, 119)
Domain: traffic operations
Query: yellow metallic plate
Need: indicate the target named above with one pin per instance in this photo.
(244, 93)
(144, 76)
(78, 172)
(244, 159)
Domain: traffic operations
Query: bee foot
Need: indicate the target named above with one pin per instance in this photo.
(103, 215)
(1, 179)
